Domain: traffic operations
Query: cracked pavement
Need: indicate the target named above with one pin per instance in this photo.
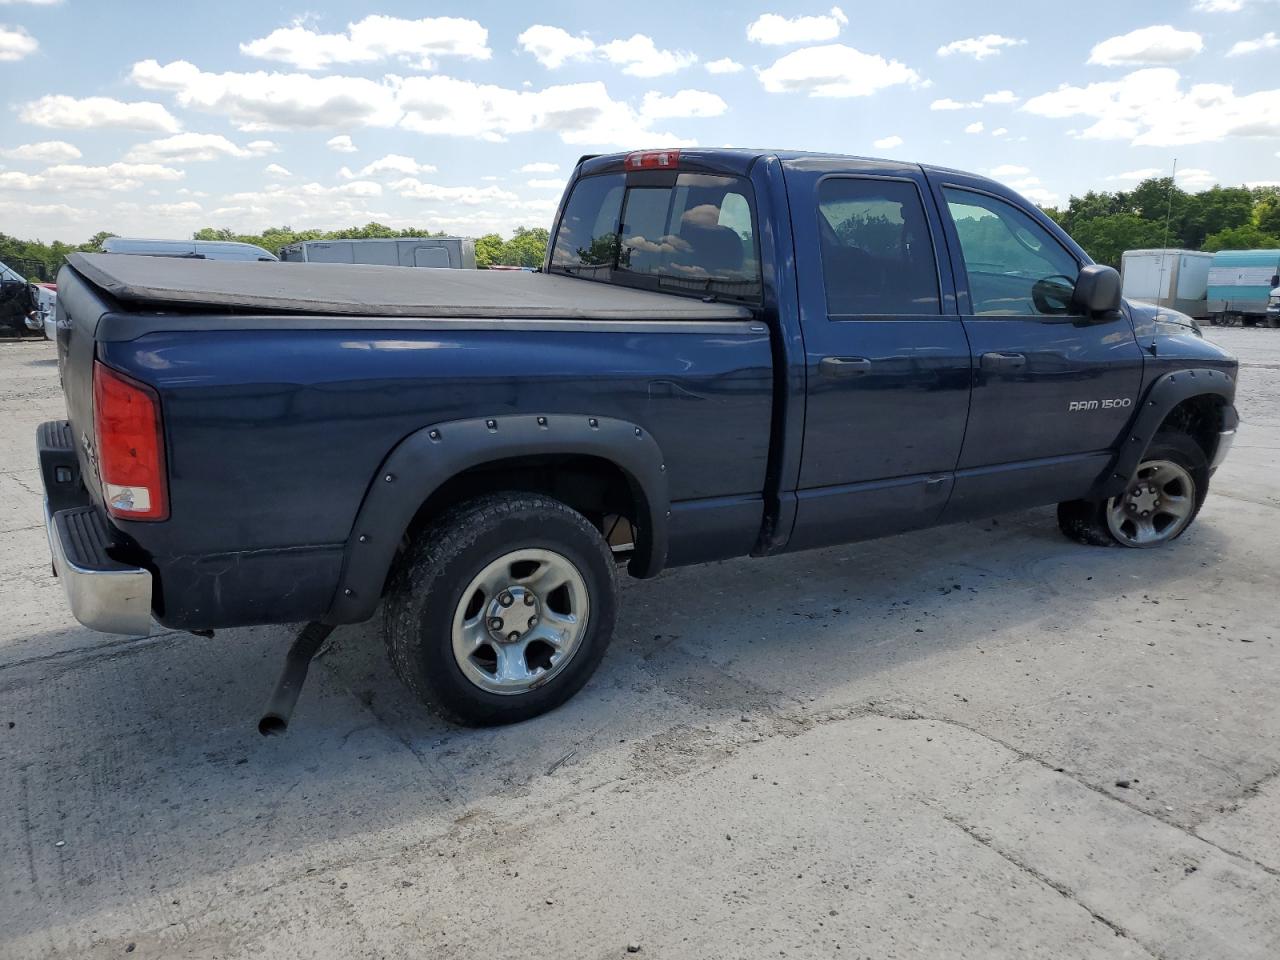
(981, 741)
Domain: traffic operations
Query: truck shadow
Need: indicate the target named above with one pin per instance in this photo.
(145, 763)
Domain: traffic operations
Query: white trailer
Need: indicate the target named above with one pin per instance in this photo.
(456, 252)
(1178, 279)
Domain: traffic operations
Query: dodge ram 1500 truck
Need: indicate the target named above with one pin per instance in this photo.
(727, 353)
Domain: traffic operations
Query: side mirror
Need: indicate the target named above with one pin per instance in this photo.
(1097, 290)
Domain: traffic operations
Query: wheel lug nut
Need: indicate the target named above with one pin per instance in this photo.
(528, 599)
(506, 599)
(513, 636)
(1146, 513)
(533, 621)
(495, 624)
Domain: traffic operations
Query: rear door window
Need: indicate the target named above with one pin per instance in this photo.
(877, 253)
(694, 233)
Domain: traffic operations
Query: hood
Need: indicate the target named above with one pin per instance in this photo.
(1151, 320)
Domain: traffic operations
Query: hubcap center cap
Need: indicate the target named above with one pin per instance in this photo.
(512, 613)
(1145, 499)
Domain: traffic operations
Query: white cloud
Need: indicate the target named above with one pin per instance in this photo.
(975, 127)
(392, 163)
(637, 55)
(683, 103)
(1040, 196)
(999, 131)
(341, 144)
(265, 101)
(888, 143)
(16, 43)
(724, 65)
(414, 189)
(118, 177)
(1146, 173)
(946, 103)
(1196, 179)
(774, 30)
(580, 113)
(374, 38)
(546, 184)
(640, 57)
(1009, 170)
(70, 113)
(196, 147)
(1000, 96)
(834, 70)
(553, 47)
(1159, 44)
(540, 167)
(1219, 6)
(275, 170)
(1265, 42)
(1150, 108)
(988, 45)
(48, 151)
(183, 208)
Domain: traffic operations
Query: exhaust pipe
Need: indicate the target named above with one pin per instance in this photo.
(275, 721)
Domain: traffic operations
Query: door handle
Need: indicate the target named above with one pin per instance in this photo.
(840, 367)
(1003, 361)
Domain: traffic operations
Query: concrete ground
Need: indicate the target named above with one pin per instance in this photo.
(983, 741)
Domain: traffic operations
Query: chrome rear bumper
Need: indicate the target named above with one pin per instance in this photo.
(104, 595)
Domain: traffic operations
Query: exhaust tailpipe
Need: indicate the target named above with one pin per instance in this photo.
(275, 720)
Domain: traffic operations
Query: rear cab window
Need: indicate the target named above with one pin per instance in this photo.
(688, 233)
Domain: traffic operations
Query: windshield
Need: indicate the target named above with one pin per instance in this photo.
(682, 233)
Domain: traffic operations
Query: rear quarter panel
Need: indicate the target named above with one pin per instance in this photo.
(273, 436)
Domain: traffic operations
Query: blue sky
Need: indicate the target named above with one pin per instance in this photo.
(157, 118)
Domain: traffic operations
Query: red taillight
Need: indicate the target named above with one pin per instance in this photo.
(653, 159)
(126, 420)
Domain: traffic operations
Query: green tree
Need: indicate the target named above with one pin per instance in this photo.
(1106, 238)
(1248, 237)
(488, 250)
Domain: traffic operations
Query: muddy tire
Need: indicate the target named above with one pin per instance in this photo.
(1159, 503)
(501, 609)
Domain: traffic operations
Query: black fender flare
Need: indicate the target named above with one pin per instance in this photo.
(427, 458)
(1166, 393)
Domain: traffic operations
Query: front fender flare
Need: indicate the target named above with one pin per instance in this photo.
(1165, 394)
(426, 459)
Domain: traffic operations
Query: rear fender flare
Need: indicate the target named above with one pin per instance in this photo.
(426, 459)
(1165, 394)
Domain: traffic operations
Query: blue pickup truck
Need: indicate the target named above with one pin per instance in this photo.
(726, 353)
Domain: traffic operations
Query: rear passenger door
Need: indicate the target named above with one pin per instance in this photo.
(886, 356)
(1052, 391)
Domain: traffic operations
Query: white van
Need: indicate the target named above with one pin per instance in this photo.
(458, 253)
(191, 249)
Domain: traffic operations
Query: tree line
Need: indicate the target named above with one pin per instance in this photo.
(1155, 213)
(1158, 213)
(40, 261)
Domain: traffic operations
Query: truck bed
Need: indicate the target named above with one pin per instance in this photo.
(357, 290)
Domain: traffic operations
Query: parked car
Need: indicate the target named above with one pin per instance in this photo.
(1177, 279)
(21, 303)
(187, 249)
(458, 253)
(728, 353)
(1241, 283)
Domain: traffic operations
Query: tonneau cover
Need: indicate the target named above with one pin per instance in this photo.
(373, 291)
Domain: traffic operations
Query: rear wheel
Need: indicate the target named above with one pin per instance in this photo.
(502, 609)
(1158, 504)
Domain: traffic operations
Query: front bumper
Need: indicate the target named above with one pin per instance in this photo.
(104, 593)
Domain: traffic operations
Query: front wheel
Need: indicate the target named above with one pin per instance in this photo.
(1158, 504)
(501, 609)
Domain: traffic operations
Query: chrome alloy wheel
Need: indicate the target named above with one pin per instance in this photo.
(1159, 502)
(520, 621)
